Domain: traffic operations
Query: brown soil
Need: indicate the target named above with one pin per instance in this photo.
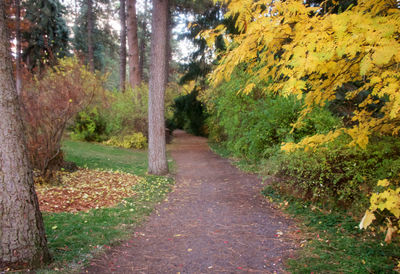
(215, 221)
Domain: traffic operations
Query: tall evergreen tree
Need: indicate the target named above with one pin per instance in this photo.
(158, 74)
(90, 23)
(134, 66)
(22, 236)
(143, 41)
(47, 38)
(122, 54)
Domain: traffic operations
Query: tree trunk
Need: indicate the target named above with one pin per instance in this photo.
(135, 78)
(90, 34)
(18, 76)
(22, 237)
(143, 40)
(157, 154)
(122, 54)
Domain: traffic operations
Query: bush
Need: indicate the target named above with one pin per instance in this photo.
(337, 174)
(48, 103)
(135, 140)
(254, 126)
(127, 111)
(89, 126)
(124, 113)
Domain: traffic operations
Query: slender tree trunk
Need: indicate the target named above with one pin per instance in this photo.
(143, 40)
(135, 78)
(90, 34)
(18, 76)
(122, 54)
(22, 238)
(157, 154)
(169, 49)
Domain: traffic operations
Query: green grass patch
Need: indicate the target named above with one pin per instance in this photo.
(334, 242)
(92, 155)
(74, 238)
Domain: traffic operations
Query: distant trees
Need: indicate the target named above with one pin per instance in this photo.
(90, 27)
(122, 53)
(22, 237)
(99, 48)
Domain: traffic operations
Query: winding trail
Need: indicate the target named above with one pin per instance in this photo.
(214, 221)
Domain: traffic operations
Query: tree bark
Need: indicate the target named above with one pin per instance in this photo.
(143, 40)
(90, 34)
(157, 154)
(18, 76)
(122, 69)
(135, 78)
(169, 48)
(22, 237)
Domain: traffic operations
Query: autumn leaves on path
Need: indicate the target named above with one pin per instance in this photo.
(215, 220)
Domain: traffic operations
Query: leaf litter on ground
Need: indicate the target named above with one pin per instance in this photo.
(86, 189)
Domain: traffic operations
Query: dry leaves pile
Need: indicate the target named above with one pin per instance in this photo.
(86, 189)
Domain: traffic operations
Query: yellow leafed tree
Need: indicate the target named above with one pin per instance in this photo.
(312, 55)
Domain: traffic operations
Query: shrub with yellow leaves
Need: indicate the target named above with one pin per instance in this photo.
(384, 204)
(136, 140)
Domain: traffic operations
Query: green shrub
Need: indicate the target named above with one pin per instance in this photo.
(89, 126)
(135, 140)
(336, 174)
(254, 126)
(127, 111)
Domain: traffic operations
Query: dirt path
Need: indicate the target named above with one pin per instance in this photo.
(215, 221)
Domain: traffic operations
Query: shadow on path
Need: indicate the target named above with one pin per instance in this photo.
(214, 221)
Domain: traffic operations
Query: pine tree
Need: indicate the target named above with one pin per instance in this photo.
(134, 65)
(158, 74)
(22, 237)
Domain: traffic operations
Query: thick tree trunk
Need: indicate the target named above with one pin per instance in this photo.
(22, 237)
(157, 154)
(122, 54)
(90, 34)
(135, 78)
(18, 76)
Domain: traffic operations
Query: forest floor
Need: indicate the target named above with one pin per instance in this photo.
(215, 220)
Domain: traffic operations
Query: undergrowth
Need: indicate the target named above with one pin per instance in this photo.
(333, 242)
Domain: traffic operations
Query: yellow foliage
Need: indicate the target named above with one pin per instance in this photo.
(288, 45)
(388, 199)
(135, 140)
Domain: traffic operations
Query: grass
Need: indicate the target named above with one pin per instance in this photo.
(94, 156)
(334, 243)
(74, 238)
